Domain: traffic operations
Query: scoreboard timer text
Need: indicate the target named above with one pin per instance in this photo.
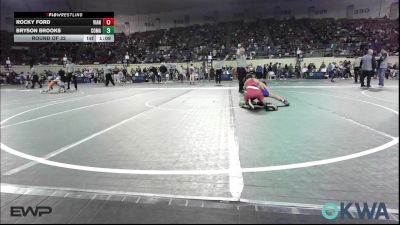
(63, 27)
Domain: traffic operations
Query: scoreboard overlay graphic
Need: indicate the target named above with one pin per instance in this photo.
(63, 26)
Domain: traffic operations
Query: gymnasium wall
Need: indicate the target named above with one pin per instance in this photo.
(251, 11)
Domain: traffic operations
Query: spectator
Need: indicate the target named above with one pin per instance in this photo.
(259, 72)
(265, 38)
(357, 71)
(368, 66)
(382, 67)
(163, 71)
(304, 71)
(192, 74)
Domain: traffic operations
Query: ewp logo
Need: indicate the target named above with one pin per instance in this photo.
(362, 212)
(35, 211)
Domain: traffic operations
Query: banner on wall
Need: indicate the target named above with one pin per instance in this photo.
(164, 47)
(127, 28)
(171, 65)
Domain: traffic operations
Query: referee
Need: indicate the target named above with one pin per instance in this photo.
(35, 78)
(217, 65)
(70, 75)
(241, 66)
(107, 71)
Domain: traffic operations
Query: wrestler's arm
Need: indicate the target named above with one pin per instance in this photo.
(260, 84)
(263, 86)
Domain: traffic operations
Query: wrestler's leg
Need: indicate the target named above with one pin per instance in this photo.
(279, 98)
(276, 97)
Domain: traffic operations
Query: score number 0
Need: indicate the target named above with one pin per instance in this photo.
(108, 21)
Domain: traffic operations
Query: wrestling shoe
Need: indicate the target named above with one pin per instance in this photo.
(271, 107)
(286, 102)
(250, 104)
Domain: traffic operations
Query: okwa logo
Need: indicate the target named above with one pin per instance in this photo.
(331, 211)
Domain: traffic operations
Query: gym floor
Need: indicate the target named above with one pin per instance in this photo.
(335, 143)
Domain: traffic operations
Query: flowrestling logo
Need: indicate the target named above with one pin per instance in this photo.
(331, 211)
